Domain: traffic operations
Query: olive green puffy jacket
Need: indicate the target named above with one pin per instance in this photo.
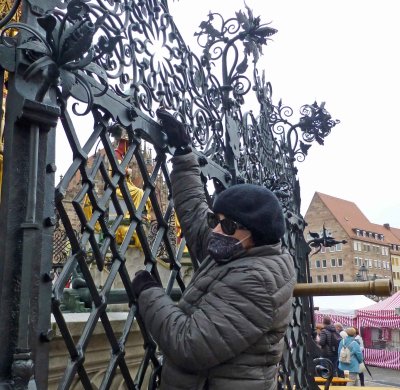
(227, 330)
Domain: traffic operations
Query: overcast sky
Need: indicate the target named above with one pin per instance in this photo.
(343, 52)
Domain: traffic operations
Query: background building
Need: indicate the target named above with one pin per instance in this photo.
(372, 251)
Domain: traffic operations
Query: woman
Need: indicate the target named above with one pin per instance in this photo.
(356, 357)
(227, 331)
(360, 341)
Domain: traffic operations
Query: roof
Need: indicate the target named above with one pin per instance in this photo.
(395, 231)
(350, 217)
(382, 314)
(388, 304)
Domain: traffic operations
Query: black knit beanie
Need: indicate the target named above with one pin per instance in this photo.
(255, 207)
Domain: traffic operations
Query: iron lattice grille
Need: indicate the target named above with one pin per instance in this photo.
(112, 180)
(120, 61)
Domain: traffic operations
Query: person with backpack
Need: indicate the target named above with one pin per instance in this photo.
(350, 356)
(329, 340)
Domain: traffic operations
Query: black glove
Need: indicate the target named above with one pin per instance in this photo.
(142, 281)
(177, 136)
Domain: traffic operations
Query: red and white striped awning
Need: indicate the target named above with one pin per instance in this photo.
(343, 319)
(381, 314)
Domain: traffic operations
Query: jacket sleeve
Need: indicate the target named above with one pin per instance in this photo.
(190, 203)
(226, 321)
(340, 347)
(322, 338)
(357, 352)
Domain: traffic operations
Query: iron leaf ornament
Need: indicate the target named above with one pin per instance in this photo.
(296, 137)
(65, 52)
(255, 35)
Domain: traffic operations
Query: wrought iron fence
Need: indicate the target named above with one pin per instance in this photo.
(116, 63)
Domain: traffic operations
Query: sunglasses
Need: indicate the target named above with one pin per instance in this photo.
(228, 226)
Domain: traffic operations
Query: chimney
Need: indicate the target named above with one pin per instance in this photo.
(387, 226)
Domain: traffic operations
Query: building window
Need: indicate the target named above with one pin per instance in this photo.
(376, 263)
(370, 263)
(317, 263)
(340, 262)
(366, 248)
(333, 262)
(323, 249)
(319, 279)
(325, 278)
(334, 278)
(356, 261)
(379, 264)
(339, 247)
(323, 263)
(341, 278)
(357, 246)
(331, 249)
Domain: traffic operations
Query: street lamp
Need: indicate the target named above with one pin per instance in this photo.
(363, 273)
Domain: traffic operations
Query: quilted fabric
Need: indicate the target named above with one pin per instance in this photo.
(227, 330)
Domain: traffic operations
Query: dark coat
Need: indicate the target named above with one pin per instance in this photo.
(227, 330)
(328, 342)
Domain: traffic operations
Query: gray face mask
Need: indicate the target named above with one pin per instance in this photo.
(225, 247)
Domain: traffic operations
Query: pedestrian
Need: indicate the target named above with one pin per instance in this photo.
(318, 327)
(340, 329)
(351, 356)
(360, 341)
(329, 342)
(227, 330)
(338, 326)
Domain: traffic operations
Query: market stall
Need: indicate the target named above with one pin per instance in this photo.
(380, 329)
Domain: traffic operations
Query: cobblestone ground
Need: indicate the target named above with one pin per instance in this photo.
(383, 377)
